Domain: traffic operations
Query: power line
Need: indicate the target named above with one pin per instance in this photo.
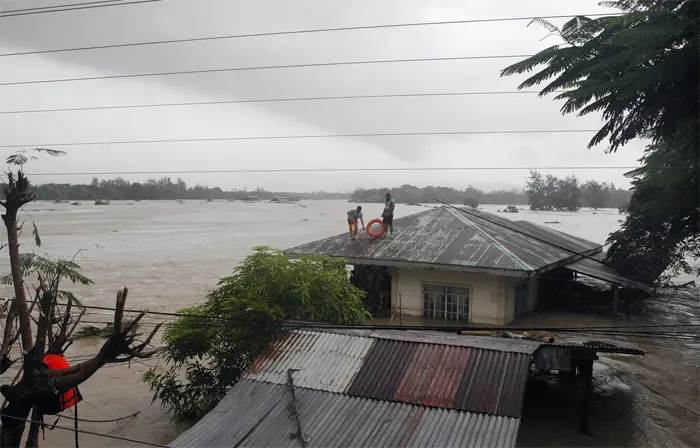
(298, 137)
(273, 100)
(263, 67)
(49, 8)
(70, 7)
(338, 170)
(393, 327)
(291, 32)
(83, 431)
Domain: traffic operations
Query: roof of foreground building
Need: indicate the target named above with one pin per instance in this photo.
(355, 389)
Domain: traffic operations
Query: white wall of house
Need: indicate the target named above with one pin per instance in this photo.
(492, 298)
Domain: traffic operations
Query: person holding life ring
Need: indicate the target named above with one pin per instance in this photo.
(355, 215)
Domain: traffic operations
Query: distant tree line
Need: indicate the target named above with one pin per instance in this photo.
(409, 194)
(567, 194)
(156, 189)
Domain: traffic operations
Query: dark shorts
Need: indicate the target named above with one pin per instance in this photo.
(352, 222)
(388, 220)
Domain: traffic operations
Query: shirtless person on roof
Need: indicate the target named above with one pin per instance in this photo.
(355, 215)
(388, 214)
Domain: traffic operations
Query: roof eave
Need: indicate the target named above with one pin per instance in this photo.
(429, 266)
(567, 261)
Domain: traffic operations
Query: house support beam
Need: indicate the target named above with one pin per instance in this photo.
(616, 299)
(586, 375)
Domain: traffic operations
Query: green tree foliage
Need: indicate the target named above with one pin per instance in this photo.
(640, 70)
(552, 193)
(595, 194)
(408, 194)
(210, 348)
(156, 189)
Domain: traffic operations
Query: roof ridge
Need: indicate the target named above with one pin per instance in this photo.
(383, 400)
(500, 246)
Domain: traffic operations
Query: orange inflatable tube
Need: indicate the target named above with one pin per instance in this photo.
(381, 231)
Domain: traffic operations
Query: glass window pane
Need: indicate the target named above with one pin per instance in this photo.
(434, 288)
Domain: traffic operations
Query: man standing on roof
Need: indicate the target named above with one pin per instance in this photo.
(355, 215)
(388, 213)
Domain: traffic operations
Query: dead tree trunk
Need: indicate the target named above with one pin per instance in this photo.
(38, 385)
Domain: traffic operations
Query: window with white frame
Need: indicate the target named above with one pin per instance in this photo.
(446, 302)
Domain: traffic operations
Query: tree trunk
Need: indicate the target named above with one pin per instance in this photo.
(34, 429)
(10, 218)
(13, 423)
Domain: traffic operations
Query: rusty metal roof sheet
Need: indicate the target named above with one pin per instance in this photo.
(451, 238)
(445, 338)
(600, 271)
(256, 414)
(444, 376)
(326, 361)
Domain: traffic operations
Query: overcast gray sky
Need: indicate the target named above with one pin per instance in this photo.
(175, 19)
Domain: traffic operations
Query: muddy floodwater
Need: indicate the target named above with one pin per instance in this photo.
(170, 254)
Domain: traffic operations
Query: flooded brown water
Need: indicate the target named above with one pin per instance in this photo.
(171, 254)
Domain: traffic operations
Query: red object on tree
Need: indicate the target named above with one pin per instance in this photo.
(381, 231)
(68, 399)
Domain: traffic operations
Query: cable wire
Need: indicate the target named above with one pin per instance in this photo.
(305, 31)
(337, 170)
(83, 431)
(370, 326)
(70, 7)
(272, 100)
(299, 137)
(50, 7)
(262, 67)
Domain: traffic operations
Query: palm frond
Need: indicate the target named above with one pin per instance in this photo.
(526, 65)
(32, 263)
(51, 152)
(545, 24)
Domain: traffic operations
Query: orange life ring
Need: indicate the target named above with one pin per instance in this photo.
(375, 234)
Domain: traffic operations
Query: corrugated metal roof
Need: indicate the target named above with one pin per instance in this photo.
(255, 414)
(597, 270)
(444, 338)
(326, 361)
(444, 376)
(445, 237)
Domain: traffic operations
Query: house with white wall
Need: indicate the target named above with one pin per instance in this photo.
(466, 265)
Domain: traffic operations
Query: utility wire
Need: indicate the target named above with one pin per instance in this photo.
(305, 31)
(271, 100)
(262, 67)
(299, 137)
(83, 431)
(50, 7)
(433, 328)
(70, 7)
(337, 170)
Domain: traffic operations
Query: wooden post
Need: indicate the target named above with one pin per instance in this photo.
(586, 372)
(616, 299)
